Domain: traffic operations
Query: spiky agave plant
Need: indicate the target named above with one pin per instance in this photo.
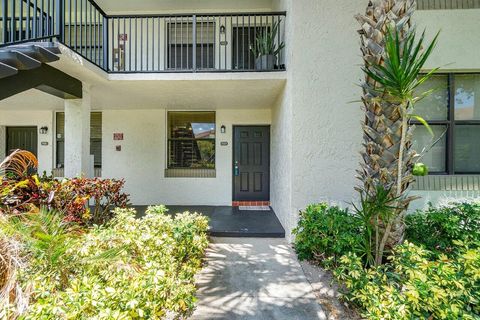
(394, 58)
(265, 42)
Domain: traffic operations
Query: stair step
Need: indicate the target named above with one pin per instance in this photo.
(50, 46)
(38, 53)
(7, 71)
(18, 60)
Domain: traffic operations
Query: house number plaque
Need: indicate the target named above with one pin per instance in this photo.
(118, 136)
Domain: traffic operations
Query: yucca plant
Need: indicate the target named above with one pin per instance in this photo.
(374, 209)
(394, 58)
(265, 42)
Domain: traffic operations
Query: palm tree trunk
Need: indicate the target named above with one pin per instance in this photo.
(387, 158)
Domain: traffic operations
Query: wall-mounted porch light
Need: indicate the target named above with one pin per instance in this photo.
(222, 29)
(43, 130)
(223, 129)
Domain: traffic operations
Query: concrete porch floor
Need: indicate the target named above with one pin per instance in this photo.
(231, 222)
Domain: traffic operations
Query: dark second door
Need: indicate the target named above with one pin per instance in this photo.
(24, 138)
(251, 163)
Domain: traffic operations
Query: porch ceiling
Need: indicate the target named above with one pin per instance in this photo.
(193, 94)
(207, 95)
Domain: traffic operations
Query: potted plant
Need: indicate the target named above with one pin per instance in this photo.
(265, 49)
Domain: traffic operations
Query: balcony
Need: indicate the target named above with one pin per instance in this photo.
(153, 43)
(447, 4)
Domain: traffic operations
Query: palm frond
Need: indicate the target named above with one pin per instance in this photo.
(423, 122)
(404, 60)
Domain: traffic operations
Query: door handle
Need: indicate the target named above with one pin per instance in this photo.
(236, 169)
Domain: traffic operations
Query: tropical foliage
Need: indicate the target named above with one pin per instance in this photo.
(127, 269)
(88, 201)
(394, 58)
(435, 274)
(324, 234)
(24, 191)
(439, 228)
(415, 284)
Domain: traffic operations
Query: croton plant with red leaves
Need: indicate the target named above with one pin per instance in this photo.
(82, 200)
(22, 191)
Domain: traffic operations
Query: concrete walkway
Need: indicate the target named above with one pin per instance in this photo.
(248, 278)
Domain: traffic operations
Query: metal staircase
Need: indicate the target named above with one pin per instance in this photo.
(25, 66)
(185, 151)
(25, 57)
(29, 34)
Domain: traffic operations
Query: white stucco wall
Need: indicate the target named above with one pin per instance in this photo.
(323, 73)
(282, 144)
(326, 126)
(142, 160)
(34, 119)
(459, 42)
(281, 163)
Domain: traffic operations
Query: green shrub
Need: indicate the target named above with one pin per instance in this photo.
(438, 228)
(127, 269)
(326, 233)
(435, 274)
(413, 286)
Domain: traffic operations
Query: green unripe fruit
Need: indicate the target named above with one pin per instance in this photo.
(420, 170)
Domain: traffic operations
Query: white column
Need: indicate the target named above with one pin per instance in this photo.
(3, 142)
(77, 135)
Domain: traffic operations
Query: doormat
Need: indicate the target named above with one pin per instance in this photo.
(254, 208)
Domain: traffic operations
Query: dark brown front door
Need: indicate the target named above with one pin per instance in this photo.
(251, 163)
(24, 138)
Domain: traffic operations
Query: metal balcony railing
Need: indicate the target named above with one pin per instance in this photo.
(29, 20)
(150, 43)
(447, 4)
(194, 42)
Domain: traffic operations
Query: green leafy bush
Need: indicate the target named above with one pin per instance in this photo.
(326, 233)
(415, 284)
(438, 228)
(127, 269)
(435, 274)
